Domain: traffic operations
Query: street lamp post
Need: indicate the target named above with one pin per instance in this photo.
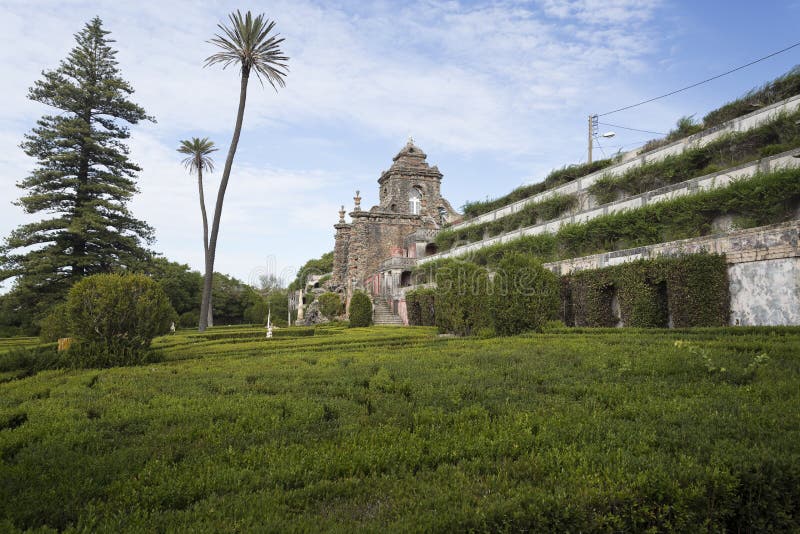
(593, 133)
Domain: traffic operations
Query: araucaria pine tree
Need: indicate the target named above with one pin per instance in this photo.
(83, 179)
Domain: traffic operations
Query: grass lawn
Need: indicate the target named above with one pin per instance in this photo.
(397, 429)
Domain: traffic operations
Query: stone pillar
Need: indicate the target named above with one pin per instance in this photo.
(299, 306)
(340, 251)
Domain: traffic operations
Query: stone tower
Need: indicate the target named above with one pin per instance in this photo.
(410, 186)
(410, 200)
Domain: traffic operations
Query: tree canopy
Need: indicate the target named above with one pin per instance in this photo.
(83, 177)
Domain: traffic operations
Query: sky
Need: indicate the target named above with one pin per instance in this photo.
(496, 93)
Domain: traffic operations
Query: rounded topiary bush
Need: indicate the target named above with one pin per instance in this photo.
(115, 317)
(525, 295)
(360, 309)
(330, 305)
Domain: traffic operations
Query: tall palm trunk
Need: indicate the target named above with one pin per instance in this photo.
(210, 314)
(223, 185)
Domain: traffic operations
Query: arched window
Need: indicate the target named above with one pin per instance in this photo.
(415, 200)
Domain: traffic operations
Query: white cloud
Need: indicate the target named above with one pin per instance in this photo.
(495, 79)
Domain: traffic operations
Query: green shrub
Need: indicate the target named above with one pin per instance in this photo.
(31, 360)
(331, 305)
(421, 307)
(556, 178)
(257, 310)
(56, 324)
(760, 200)
(115, 317)
(107, 353)
(525, 295)
(10, 331)
(780, 134)
(533, 213)
(698, 290)
(462, 298)
(778, 89)
(685, 127)
(360, 310)
(189, 319)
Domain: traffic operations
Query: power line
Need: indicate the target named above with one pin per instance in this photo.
(631, 129)
(702, 82)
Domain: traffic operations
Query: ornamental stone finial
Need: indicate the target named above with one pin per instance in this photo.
(410, 140)
(341, 214)
(357, 200)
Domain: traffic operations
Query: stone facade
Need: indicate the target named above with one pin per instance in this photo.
(410, 205)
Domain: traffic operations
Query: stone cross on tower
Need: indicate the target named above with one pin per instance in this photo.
(357, 200)
(341, 215)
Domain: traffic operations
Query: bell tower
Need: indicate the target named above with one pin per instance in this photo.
(412, 187)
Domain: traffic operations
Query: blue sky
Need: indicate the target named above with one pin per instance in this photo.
(496, 93)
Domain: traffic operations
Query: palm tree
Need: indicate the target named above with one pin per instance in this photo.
(246, 42)
(198, 159)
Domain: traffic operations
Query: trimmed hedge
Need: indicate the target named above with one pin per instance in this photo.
(524, 297)
(687, 291)
(679, 292)
(421, 306)
(521, 296)
(360, 310)
(462, 298)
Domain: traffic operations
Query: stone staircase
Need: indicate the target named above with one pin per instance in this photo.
(382, 313)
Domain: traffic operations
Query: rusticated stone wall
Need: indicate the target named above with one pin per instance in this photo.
(340, 253)
(372, 238)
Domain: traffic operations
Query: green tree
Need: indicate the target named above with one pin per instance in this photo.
(331, 304)
(248, 44)
(182, 285)
(360, 311)
(232, 298)
(198, 152)
(83, 178)
(318, 266)
(278, 302)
